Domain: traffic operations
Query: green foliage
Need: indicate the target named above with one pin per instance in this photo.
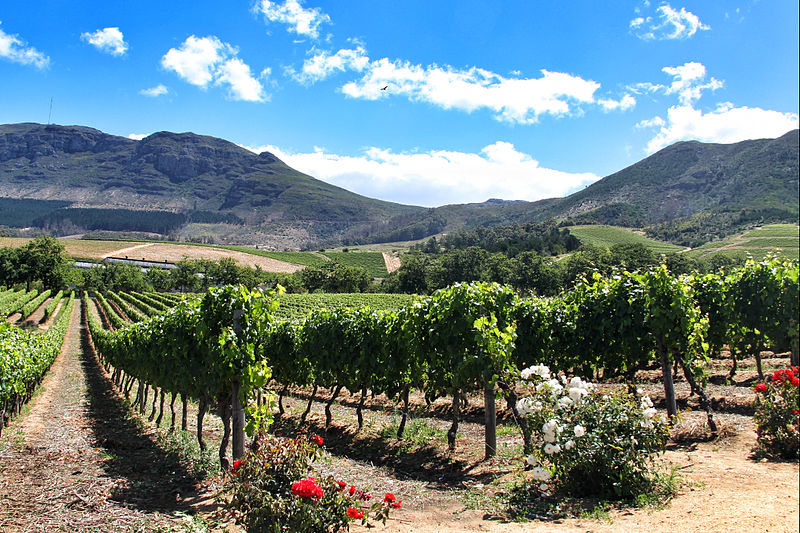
(28, 309)
(372, 262)
(25, 356)
(334, 277)
(544, 238)
(590, 444)
(51, 306)
(41, 259)
(776, 417)
(608, 236)
(269, 491)
(16, 301)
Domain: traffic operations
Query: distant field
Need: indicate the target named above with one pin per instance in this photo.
(611, 235)
(96, 250)
(298, 258)
(781, 239)
(372, 262)
(84, 249)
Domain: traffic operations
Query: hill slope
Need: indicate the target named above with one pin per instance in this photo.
(72, 178)
(193, 180)
(687, 193)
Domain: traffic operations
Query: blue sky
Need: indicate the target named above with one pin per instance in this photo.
(483, 99)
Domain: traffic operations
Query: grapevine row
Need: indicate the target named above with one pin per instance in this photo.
(463, 338)
(24, 359)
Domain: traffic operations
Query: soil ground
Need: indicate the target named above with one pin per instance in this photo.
(78, 459)
(175, 252)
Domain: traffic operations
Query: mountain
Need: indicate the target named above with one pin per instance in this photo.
(687, 193)
(74, 177)
(193, 187)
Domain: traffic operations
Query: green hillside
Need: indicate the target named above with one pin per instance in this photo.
(779, 239)
(70, 179)
(610, 235)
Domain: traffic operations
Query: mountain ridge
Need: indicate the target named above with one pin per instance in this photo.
(198, 187)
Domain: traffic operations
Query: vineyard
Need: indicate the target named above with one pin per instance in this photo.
(25, 357)
(460, 340)
(393, 371)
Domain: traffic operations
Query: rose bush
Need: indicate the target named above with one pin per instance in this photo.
(587, 443)
(776, 417)
(275, 489)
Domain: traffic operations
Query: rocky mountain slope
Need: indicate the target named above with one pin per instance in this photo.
(205, 180)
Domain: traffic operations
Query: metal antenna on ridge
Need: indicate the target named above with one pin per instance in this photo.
(49, 115)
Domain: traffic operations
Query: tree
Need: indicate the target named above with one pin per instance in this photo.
(43, 259)
(455, 266)
(531, 273)
(412, 276)
(633, 256)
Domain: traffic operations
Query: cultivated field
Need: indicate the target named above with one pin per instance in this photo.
(610, 235)
(781, 239)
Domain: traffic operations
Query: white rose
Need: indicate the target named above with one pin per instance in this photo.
(540, 474)
(579, 431)
(531, 460)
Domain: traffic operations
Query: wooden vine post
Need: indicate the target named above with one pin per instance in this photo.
(490, 409)
(238, 409)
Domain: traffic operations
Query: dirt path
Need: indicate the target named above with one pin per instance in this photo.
(392, 261)
(76, 462)
(122, 251)
(724, 491)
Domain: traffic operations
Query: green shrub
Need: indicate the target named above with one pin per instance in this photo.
(275, 489)
(776, 417)
(590, 444)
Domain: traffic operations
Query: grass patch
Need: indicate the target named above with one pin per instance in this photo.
(182, 446)
(418, 433)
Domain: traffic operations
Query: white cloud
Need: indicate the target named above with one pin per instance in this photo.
(243, 85)
(514, 99)
(153, 92)
(16, 50)
(725, 124)
(655, 122)
(437, 177)
(108, 40)
(668, 23)
(627, 102)
(206, 60)
(291, 12)
(324, 64)
(688, 82)
(138, 136)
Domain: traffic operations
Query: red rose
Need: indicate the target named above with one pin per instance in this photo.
(396, 505)
(307, 488)
(780, 376)
(341, 484)
(352, 490)
(354, 513)
(389, 497)
(761, 387)
(364, 495)
(318, 440)
(795, 381)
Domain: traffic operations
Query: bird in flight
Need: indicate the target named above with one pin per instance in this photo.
(384, 88)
